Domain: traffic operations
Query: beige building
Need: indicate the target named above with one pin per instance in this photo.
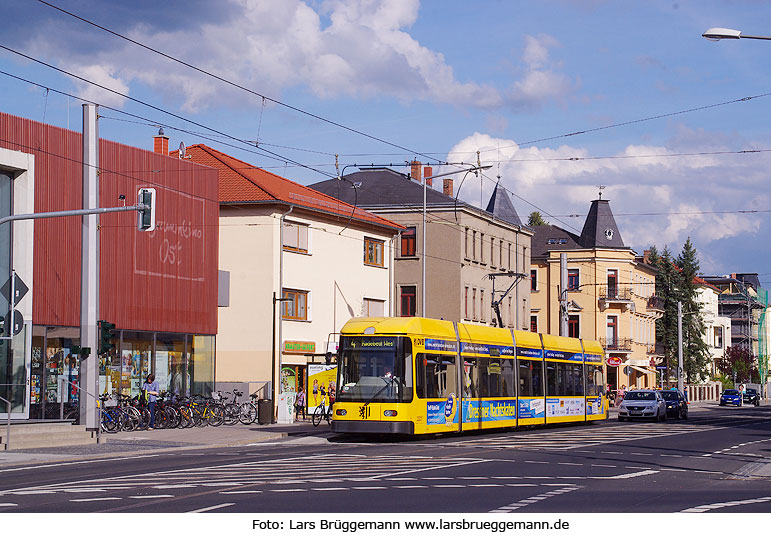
(295, 265)
(717, 328)
(609, 295)
(464, 246)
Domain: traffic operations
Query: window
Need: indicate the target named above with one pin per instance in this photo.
(373, 308)
(530, 377)
(481, 305)
(436, 376)
(533, 279)
(612, 332)
(500, 256)
(474, 304)
(465, 304)
(408, 241)
(373, 252)
(408, 301)
(492, 252)
(718, 337)
(534, 324)
(295, 237)
(573, 328)
(508, 264)
(564, 379)
(297, 307)
(573, 280)
(473, 245)
(466, 244)
(612, 283)
(481, 247)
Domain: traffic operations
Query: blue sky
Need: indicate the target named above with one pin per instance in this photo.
(446, 79)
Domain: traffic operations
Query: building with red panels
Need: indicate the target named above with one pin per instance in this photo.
(159, 288)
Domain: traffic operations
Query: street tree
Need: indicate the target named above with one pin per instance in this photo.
(535, 219)
(696, 357)
(738, 363)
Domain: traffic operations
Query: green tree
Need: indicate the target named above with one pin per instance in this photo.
(696, 357)
(738, 363)
(667, 288)
(535, 219)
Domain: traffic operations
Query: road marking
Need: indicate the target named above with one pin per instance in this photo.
(96, 499)
(210, 508)
(450, 486)
(175, 486)
(531, 461)
(332, 489)
(566, 463)
(625, 476)
(75, 463)
(601, 465)
(717, 506)
(288, 490)
(149, 496)
(641, 454)
(239, 492)
(372, 487)
(8, 504)
(486, 485)
(410, 487)
(631, 467)
(534, 499)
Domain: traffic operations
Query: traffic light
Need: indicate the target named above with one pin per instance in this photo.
(146, 216)
(106, 334)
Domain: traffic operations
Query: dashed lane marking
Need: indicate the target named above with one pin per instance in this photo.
(96, 499)
(534, 499)
(210, 508)
(717, 506)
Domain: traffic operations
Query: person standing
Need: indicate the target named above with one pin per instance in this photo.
(150, 387)
(300, 404)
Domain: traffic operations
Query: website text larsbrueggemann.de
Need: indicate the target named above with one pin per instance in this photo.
(416, 525)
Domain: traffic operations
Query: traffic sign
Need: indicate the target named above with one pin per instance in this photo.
(19, 291)
(14, 323)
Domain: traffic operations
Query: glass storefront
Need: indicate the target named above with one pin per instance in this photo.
(183, 364)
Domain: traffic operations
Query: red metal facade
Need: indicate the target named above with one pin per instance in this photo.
(163, 281)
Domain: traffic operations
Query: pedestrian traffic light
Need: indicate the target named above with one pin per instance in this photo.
(146, 215)
(106, 334)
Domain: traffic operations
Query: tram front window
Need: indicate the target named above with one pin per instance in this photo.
(375, 369)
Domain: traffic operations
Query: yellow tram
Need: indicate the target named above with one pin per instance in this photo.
(419, 376)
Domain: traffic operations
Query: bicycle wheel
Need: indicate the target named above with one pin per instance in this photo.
(231, 414)
(317, 414)
(216, 414)
(248, 413)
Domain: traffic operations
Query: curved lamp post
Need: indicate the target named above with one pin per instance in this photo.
(716, 34)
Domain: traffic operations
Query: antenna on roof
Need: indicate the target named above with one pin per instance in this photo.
(601, 187)
(182, 150)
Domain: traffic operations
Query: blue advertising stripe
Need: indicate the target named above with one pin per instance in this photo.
(489, 410)
(564, 355)
(591, 357)
(472, 348)
(433, 344)
(529, 352)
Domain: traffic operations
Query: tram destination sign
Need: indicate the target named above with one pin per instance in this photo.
(369, 342)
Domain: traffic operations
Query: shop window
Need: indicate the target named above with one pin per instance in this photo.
(171, 371)
(408, 243)
(201, 364)
(295, 237)
(296, 307)
(373, 252)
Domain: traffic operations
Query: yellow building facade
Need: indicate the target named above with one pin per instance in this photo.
(608, 296)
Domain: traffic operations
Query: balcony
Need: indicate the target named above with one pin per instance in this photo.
(620, 296)
(616, 345)
(655, 306)
(655, 350)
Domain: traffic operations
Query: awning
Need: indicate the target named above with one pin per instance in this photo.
(643, 370)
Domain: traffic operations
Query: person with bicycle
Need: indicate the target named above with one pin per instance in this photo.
(299, 405)
(150, 387)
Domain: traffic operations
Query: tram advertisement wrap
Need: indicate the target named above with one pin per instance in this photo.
(594, 405)
(320, 376)
(531, 408)
(442, 412)
(489, 410)
(564, 407)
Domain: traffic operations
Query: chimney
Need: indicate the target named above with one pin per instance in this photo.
(415, 171)
(447, 186)
(647, 256)
(427, 173)
(161, 143)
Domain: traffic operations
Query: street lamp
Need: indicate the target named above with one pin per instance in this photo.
(716, 34)
(425, 182)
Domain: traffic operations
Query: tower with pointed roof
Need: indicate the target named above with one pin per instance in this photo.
(609, 293)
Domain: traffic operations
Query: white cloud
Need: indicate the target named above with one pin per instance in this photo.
(657, 197)
(336, 48)
(104, 76)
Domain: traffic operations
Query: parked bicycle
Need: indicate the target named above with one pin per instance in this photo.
(322, 411)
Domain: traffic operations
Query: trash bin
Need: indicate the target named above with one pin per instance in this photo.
(264, 411)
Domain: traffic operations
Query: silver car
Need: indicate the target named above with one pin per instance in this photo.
(642, 404)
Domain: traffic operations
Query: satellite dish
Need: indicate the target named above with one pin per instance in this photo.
(182, 150)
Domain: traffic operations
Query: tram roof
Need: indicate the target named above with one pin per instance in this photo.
(413, 325)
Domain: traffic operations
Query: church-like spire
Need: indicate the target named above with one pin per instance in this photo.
(600, 230)
(501, 207)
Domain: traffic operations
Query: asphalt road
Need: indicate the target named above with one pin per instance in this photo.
(718, 461)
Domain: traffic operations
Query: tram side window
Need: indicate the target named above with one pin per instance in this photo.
(436, 376)
(508, 378)
(564, 379)
(470, 378)
(595, 384)
(552, 384)
(578, 379)
(530, 378)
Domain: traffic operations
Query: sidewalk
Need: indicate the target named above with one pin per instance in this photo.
(124, 444)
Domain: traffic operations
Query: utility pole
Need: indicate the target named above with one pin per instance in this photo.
(680, 346)
(89, 269)
(563, 294)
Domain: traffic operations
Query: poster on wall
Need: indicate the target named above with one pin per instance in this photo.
(321, 382)
(288, 380)
(162, 369)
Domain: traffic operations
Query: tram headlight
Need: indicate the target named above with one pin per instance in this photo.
(341, 412)
(389, 413)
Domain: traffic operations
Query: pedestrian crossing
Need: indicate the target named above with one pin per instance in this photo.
(572, 438)
(314, 470)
